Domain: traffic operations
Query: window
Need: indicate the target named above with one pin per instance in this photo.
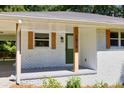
(117, 38)
(41, 39)
(114, 38)
(122, 38)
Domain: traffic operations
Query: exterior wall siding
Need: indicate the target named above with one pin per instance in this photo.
(88, 56)
(92, 47)
(45, 56)
(48, 57)
(110, 64)
(101, 39)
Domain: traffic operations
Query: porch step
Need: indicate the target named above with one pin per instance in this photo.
(63, 73)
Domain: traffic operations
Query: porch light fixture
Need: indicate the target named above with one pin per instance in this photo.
(19, 21)
(62, 39)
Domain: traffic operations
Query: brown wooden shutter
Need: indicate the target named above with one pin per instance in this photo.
(53, 40)
(30, 40)
(107, 38)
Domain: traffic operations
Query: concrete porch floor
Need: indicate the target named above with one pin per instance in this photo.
(40, 73)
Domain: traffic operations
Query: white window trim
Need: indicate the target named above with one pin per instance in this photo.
(119, 39)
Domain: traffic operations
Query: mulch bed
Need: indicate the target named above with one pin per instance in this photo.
(34, 86)
(24, 86)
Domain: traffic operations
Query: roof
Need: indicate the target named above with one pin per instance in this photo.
(75, 16)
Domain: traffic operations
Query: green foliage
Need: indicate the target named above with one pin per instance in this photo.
(7, 46)
(14, 8)
(105, 85)
(100, 85)
(51, 83)
(107, 10)
(74, 82)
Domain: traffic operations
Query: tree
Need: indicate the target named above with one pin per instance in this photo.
(7, 46)
(109, 10)
(123, 11)
(14, 8)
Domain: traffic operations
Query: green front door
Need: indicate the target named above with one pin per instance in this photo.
(69, 48)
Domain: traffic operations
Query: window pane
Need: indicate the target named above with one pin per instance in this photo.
(122, 34)
(41, 43)
(114, 42)
(122, 42)
(70, 42)
(114, 35)
(41, 36)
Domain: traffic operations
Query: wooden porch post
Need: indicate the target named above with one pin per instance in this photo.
(75, 39)
(18, 51)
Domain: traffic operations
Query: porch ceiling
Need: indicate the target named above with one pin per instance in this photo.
(2, 33)
(7, 28)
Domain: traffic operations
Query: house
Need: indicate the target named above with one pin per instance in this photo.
(54, 39)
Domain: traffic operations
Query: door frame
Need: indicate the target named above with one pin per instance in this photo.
(66, 47)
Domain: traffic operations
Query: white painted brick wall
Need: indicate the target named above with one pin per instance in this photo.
(44, 56)
(111, 65)
(110, 62)
(88, 48)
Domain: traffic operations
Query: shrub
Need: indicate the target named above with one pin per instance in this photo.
(105, 85)
(100, 85)
(51, 83)
(7, 46)
(74, 82)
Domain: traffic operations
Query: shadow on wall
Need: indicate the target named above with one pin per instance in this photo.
(122, 74)
(6, 68)
(113, 49)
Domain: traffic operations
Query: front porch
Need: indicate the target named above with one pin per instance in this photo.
(84, 54)
(45, 72)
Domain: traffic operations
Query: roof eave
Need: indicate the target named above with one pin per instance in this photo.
(14, 19)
